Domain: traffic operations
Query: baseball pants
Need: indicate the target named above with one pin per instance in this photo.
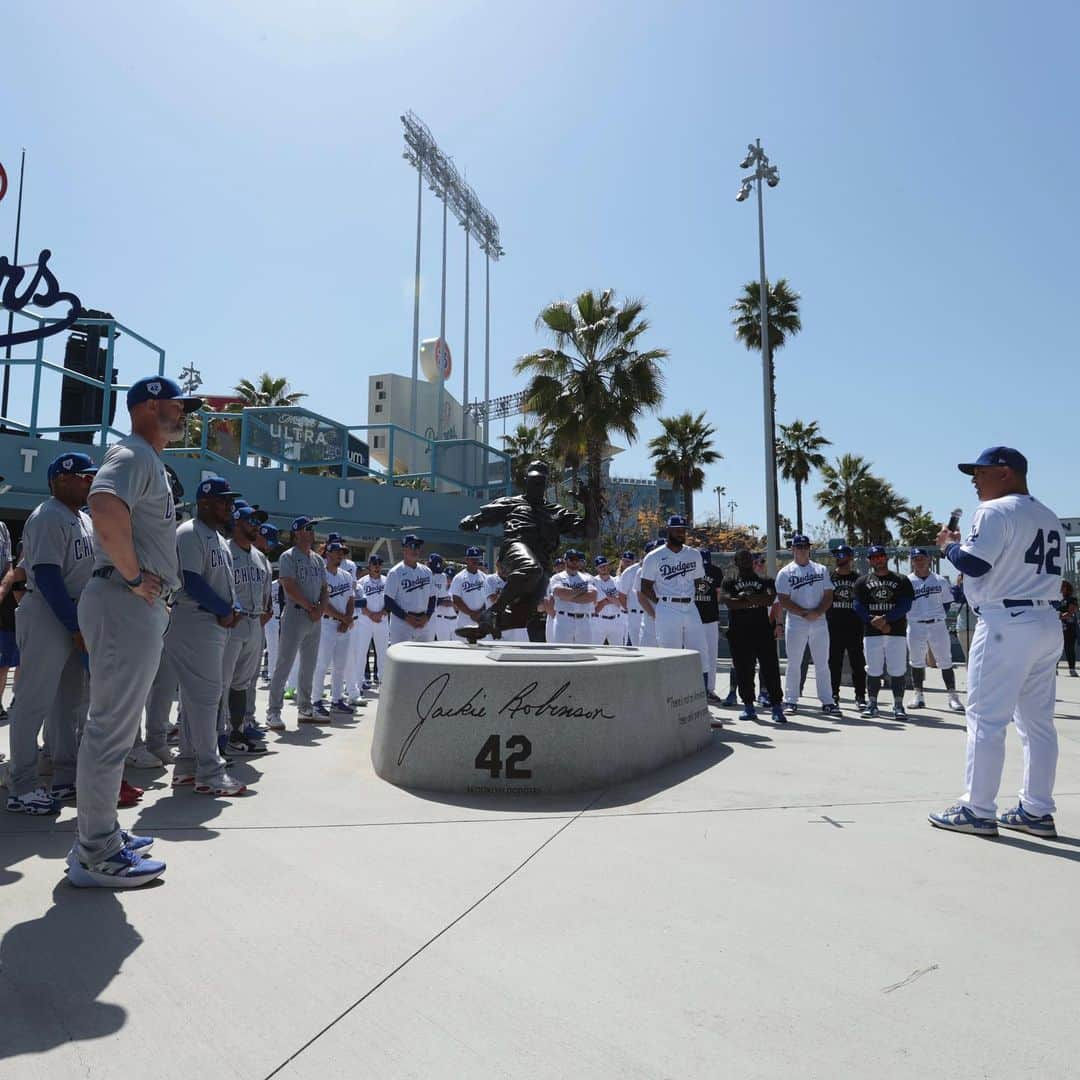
(1012, 675)
(53, 686)
(334, 653)
(749, 649)
(164, 691)
(678, 626)
(798, 634)
(195, 644)
(610, 629)
(573, 629)
(846, 638)
(712, 651)
(886, 654)
(272, 633)
(364, 632)
(648, 630)
(298, 637)
(123, 634)
(446, 622)
(253, 685)
(936, 635)
(400, 631)
(549, 628)
(633, 625)
(239, 667)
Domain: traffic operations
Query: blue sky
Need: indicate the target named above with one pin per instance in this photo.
(226, 178)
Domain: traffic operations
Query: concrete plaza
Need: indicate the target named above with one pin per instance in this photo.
(776, 906)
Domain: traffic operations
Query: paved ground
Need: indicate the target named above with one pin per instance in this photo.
(775, 907)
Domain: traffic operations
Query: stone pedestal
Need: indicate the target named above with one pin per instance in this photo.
(534, 718)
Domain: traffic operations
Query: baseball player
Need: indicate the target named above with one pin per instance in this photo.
(371, 622)
(648, 610)
(410, 596)
(845, 627)
(446, 615)
(926, 626)
(468, 590)
(1011, 562)
(123, 617)
(558, 565)
(804, 590)
(266, 540)
(609, 619)
(629, 568)
(575, 598)
(302, 576)
(58, 553)
(335, 642)
(204, 612)
(668, 582)
(347, 563)
(882, 601)
(706, 600)
(243, 650)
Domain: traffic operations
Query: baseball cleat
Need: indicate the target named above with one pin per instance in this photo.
(253, 731)
(141, 758)
(778, 715)
(831, 710)
(764, 701)
(869, 710)
(36, 803)
(127, 869)
(165, 754)
(713, 699)
(320, 709)
(960, 819)
(748, 713)
(955, 704)
(918, 702)
(290, 695)
(730, 701)
(224, 785)
(860, 704)
(1019, 819)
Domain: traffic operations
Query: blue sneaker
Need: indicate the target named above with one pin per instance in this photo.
(1019, 819)
(778, 715)
(730, 701)
(126, 869)
(253, 731)
(764, 701)
(748, 713)
(62, 792)
(960, 819)
(139, 844)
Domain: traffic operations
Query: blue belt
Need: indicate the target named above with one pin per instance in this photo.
(1024, 603)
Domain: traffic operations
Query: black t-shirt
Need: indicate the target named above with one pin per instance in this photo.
(843, 597)
(879, 595)
(705, 594)
(741, 587)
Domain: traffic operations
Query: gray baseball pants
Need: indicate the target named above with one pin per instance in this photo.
(123, 635)
(239, 665)
(253, 685)
(53, 687)
(298, 635)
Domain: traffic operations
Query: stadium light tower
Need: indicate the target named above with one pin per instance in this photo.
(757, 160)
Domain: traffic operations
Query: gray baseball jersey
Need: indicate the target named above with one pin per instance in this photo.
(5, 548)
(133, 472)
(251, 578)
(203, 551)
(308, 571)
(56, 536)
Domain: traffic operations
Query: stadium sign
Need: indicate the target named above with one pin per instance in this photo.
(42, 291)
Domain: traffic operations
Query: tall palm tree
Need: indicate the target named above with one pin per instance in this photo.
(526, 444)
(918, 527)
(846, 484)
(797, 453)
(681, 450)
(269, 391)
(594, 383)
(880, 505)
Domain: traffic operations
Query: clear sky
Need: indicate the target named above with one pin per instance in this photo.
(226, 177)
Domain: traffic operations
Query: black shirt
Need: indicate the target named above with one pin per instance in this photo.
(843, 597)
(879, 595)
(742, 586)
(705, 594)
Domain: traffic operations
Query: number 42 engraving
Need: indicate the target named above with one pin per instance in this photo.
(489, 759)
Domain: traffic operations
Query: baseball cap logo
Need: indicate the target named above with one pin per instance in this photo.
(154, 388)
(66, 464)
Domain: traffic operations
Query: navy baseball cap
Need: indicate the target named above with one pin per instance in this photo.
(302, 524)
(335, 537)
(877, 549)
(246, 512)
(916, 551)
(997, 455)
(474, 553)
(72, 465)
(270, 532)
(573, 553)
(558, 561)
(374, 559)
(677, 521)
(435, 562)
(335, 545)
(214, 487)
(412, 540)
(629, 555)
(799, 540)
(600, 560)
(158, 388)
(843, 552)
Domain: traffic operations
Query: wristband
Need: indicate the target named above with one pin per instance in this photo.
(135, 582)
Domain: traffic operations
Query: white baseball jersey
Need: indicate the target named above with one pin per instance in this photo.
(580, 583)
(1021, 540)
(340, 586)
(492, 587)
(470, 589)
(803, 585)
(410, 588)
(673, 573)
(441, 585)
(628, 583)
(608, 590)
(371, 589)
(932, 593)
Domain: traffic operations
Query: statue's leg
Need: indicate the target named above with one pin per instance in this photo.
(525, 583)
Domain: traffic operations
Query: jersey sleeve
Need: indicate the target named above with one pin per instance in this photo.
(782, 587)
(987, 538)
(123, 474)
(287, 565)
(190, 549)
(648, 570)
(828, 581)
(49, 540)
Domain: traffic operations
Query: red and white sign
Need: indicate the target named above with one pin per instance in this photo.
(3, 183)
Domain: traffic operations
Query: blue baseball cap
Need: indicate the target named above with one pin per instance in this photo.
(435, 562)
(72, 465)
(876, 549)
(917, 551)
(600, 560)
(412, 540)
(628, 555)
(677, 521)
(843, 552)
(573, 553)
(270, 532)
(158, 388)
(247, 512)
(303, 523)
(799, 540)
(474, 553)
(374, 559)
(997, 455)
(214, 487)
(335, 545)
(558, 561)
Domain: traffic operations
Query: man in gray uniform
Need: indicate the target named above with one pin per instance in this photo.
(122, 616)
(204, 612)
(302, 574)
(58, 550)
(266, 540)
(243, 650)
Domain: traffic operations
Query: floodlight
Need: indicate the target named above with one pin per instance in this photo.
(744, 193)
(773, 178)
(749, 159)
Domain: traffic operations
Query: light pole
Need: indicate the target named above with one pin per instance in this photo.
(732, 504)
(756, 159)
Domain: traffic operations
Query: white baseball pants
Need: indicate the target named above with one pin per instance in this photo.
(400, 631)
(610, 629)
(1012, 675)
(678, 626)
(633, 625)
(885, 654)
(712, 648)
(334, 649)
(445, 620)
(364, 632)
(648, 630)
(936, 635)
(573, 629)
(798, 633)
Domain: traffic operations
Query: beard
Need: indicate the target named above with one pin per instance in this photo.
(173, 430)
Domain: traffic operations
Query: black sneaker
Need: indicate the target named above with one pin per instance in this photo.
(238, 744)
(831, 710)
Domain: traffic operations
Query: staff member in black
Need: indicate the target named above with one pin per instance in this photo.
(882, 601)
(846, 628)
(750, 634)
(706, 590)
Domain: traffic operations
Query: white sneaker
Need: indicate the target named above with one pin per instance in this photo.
(918, 702)
(37, 803)
(166, 755)
(224, 785)
(141, 758)
(955, 703)
(275, 723)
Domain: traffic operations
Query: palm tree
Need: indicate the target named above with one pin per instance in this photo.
(845, 489)
(681, 450)
(593, 383)
(526, 444)
(269, 391)
(880, 505)
(797, 454)
(918, 528)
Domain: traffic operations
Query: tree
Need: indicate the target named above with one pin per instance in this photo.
(269, 391)
(859, 502)
(784, 322)
(918, 528)
(797, 453)
(526, 444)
(679, 453)
(594, 383)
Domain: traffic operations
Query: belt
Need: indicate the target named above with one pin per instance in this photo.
(407, 613)
(926, 622)
(609, 618)
(635, 611)
(573, 614)
(107, 572)
(675, 599)
(1024, 603)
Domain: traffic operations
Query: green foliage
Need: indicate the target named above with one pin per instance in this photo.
(797, 454)
(859, 502)
(678, 454)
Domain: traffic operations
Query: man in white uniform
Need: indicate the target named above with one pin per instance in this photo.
(926, 627)
(804, 591)
(335, 641)
(667, 583)
(609, 621)
(409, 596)
(371, 624)
(558, 565)
(575, 597)
(468, 590)
(446, 616)
(492, 591)
(1011, 562)
(629, 568)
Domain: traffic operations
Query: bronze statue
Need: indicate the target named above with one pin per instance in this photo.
(531, 530)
